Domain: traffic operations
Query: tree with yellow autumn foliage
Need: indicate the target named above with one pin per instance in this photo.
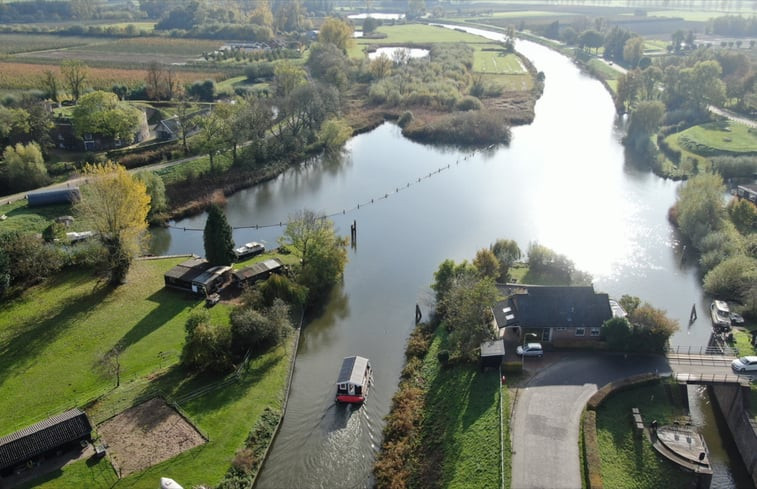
(116, 205)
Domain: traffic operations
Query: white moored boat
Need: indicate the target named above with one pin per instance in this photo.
(249, 250)
(354, 380)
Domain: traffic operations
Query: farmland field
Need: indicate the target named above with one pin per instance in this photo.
(134, 51)
(718, 137)
(29, 75)
(24, 43)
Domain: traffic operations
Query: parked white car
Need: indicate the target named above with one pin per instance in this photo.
(745, 364)
(532, 350)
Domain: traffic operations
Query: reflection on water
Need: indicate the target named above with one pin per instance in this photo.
(563, 182)
(728, 470)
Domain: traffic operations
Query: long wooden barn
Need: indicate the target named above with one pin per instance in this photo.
(46, 438)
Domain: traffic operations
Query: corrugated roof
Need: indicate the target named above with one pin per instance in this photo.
(189, 269)
(255, 269)
(38, 438)
(353, 370)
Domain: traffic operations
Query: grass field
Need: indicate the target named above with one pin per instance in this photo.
(52, 337)
(497, 62)
(418, 33)
(22, 43)
(716, 137)
(628, 462)
(462, 423)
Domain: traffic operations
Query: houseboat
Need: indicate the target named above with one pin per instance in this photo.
(354, 380)
(249, 250)
(721, 316)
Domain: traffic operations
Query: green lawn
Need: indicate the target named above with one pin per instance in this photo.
(719, 137)
(51, 338)
(415, 34)
(23, 218)
(462, 426)
(629, 462)
(496, 61)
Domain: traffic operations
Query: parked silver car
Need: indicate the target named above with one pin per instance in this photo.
(744, 364)
(530, 350)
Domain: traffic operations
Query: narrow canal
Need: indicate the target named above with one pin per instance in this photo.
(563, 182)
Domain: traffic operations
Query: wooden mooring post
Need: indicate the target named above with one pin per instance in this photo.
(353, 234)
(693, 315)
(418, 315)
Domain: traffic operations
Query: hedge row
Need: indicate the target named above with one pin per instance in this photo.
(591, 451)
(673, 155)
(395, 464)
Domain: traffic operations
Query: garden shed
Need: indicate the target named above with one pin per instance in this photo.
(257, 271)
(492, 353)
(56, 434)
(182, 276)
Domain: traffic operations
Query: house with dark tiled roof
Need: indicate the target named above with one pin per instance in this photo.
(48, 437)
(554, 312)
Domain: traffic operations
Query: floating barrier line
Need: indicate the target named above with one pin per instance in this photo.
(357, 207)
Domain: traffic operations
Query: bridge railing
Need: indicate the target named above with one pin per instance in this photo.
(723, 350)
(713, 378)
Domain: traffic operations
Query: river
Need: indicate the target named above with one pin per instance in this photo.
(563, 182)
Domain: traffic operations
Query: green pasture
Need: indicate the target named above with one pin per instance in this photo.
(52, 336)
(528, 13)
(50, 342)
(140, 26)
(688, 161)
(418, 34)
(629, 462)
(690, 15)
(496, 61)
(21, 217)
(655, 46)
(719, 137)
(194, 168)
(24, 43)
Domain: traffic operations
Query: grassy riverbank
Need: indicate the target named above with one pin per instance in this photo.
(447, 425)
(54, 335)
(629, 462)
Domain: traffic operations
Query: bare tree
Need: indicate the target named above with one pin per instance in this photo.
(109, 362)
(75, 73)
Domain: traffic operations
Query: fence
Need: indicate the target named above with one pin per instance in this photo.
(703, 350)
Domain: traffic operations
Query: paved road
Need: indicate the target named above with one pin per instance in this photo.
(75, 181)
(547, 413)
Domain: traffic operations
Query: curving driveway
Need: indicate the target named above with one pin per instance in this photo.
(547, 413)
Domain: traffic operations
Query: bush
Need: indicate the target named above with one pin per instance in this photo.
(468, 128)
(405, 119)
(735, 166)
(469, 103)
(253, 330)
(417, 344)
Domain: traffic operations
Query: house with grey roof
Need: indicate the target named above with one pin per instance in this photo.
(554, 312)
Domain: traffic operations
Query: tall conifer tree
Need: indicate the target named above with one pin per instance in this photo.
(219, 245)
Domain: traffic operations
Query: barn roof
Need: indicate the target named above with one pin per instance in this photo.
(188, 270)
(260, 268)
(41, 437)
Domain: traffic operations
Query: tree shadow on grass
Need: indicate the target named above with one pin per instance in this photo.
(457, 398)
(170, 305)
(24, 346)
